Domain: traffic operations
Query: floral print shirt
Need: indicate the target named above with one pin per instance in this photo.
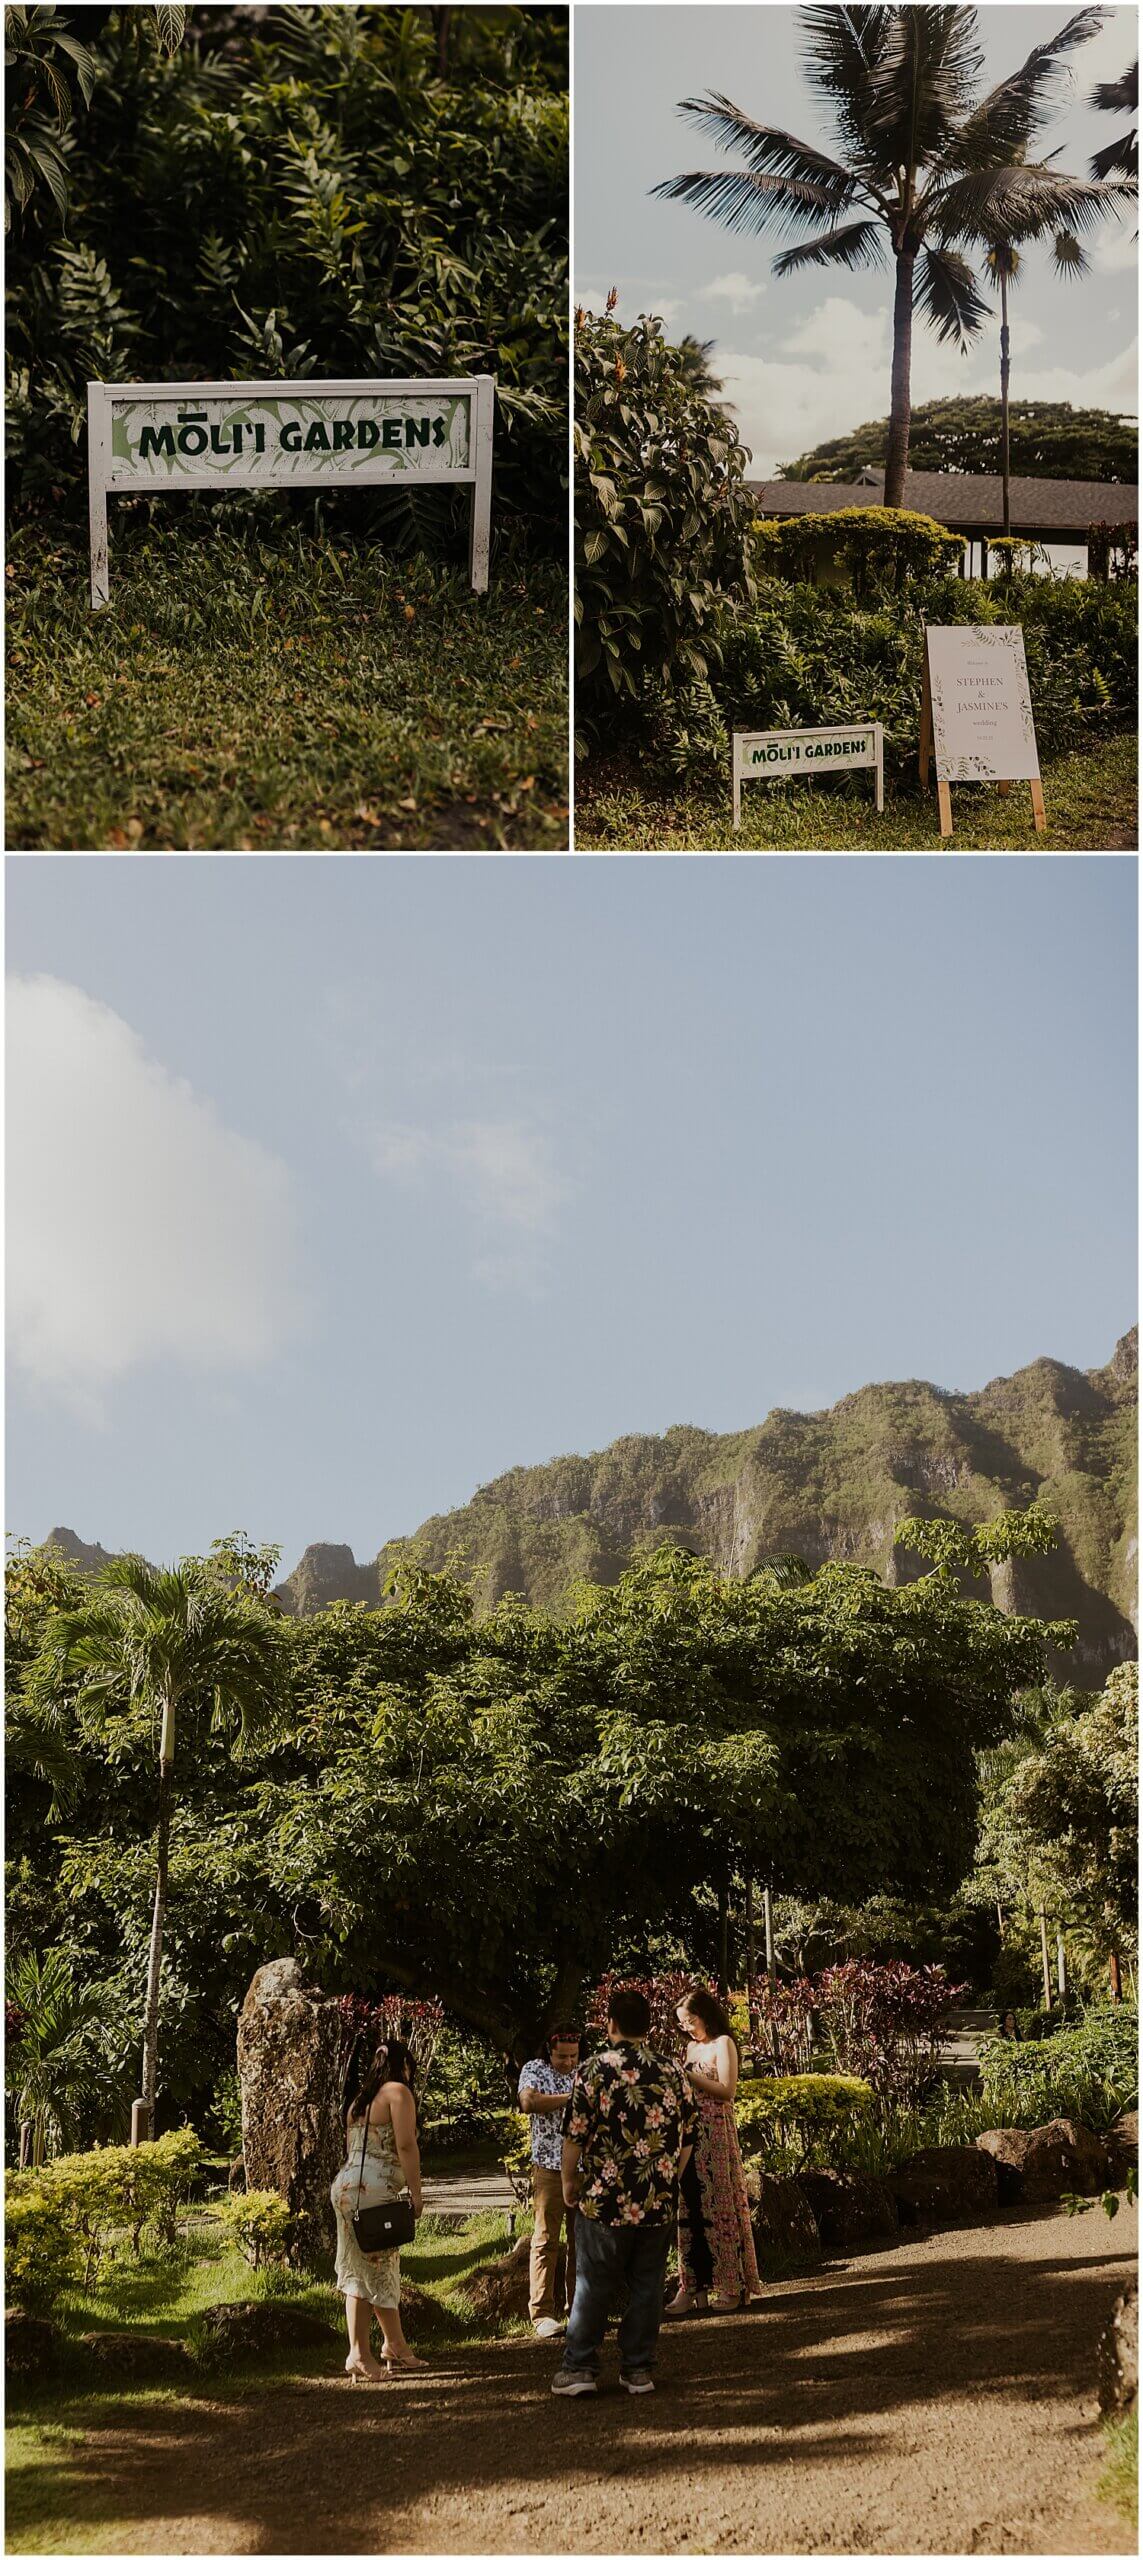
(547, 2129)
(633, 2116)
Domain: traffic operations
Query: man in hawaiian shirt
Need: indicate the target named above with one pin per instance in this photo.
(545, 2087)
(628, 2135)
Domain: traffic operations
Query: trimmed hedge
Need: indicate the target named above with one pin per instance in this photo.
(60, 2220)
(808, 2106)
(883, 549)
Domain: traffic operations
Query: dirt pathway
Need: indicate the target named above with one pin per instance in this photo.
(938, 2397)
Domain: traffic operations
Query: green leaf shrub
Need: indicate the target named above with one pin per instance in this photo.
(881, 550)
(67, 2215)
(1090, 2073)
(805, 2111)
(316, 192)
(662, 520)
(258, 2221)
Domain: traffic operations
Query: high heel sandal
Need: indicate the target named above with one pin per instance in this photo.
(357, 2373)
(685, 2306)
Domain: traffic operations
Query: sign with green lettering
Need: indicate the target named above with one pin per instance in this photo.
(772, 755)
(149, 437)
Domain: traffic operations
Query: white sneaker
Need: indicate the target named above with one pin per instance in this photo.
(548, 2328)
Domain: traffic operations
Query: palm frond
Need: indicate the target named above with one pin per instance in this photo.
(765, 148)
(1011, 115)
(842, 49)
(861, 244)
(924, 83)
(945, 292)
(1117, 159)
(1068, 258)
(746, 200)
(1020, 202)
(1118, 97)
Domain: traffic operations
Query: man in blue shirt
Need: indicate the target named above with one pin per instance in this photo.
(545, 2087)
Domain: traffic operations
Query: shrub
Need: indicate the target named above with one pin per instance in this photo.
(662, 516)
(1090, 2073)
(881, 549)
(806, 2111)
(885, 2023)
(785, 2014)
(312, 192)
(258, 2221)
(663, 1990)
(94, 2195)
(43, 2251)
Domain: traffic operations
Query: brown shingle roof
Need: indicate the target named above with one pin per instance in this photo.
(967, 502)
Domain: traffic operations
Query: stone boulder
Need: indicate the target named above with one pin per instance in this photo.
(1047, 2161)
(32, 2348)
(1122, 2148)
(947, 2183)
(851, 2210)
(293, 2054)
(785, 2231)
(232, 2332)
(135, 2355)
(1117, 2356)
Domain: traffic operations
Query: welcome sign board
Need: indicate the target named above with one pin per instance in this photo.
(771, 755)
(976, 711)
(151, 437)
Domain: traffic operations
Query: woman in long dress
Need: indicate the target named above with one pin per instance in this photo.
(382, 2159)
(716, 2241)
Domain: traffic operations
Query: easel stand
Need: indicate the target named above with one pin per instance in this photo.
(944, 789)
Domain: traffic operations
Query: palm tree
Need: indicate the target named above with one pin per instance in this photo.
(162, 1641)
(1002, 265)
(1118, 98)
(54, 2059)
(930, 168)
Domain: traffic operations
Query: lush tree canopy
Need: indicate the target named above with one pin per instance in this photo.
(1048, 440)
(1061, 1819)
(484, 1810)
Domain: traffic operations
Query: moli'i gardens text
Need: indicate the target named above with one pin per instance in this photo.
(322, 435)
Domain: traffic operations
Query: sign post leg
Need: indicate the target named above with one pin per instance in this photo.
(97, 493)
(737, 785)
(1038, 811)
(481, 429)
(944, 808)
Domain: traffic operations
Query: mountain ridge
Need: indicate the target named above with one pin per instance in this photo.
(831, 1484)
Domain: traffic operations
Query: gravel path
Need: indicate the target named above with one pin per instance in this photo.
(938, 2397)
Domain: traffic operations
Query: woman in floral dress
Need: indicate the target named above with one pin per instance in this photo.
(382, 2159)
(716, 2242)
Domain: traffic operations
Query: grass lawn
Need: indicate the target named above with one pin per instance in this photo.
(245, 692)
(49, 2504)
(1090, 799)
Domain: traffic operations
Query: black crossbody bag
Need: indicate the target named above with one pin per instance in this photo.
(381, 2226)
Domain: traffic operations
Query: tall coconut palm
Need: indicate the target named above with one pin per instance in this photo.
(1118, 98)
(165, 1642)
(1003, 268)
(930, 168)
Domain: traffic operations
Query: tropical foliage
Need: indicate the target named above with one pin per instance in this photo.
(1061, 1827)
(1089, 2072)
(63, 2219)
(879, 549)
(299, 191)
(1048, 440)
(926, 168)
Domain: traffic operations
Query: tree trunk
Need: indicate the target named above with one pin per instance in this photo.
(1116, 1976)
(155, 1955)
(768, 1918)
(751, 2013)
(1061, 1968)
(1004, 373)
(723, 1939)
(1044, 1959)
(897, 450)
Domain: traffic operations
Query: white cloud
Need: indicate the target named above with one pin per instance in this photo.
(740, 291)
(505, 1175)
(1116, 250)
(141, 1229)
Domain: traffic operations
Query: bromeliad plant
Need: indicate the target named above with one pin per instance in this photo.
(925, 169)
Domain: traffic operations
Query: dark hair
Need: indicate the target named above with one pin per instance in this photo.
(562, 2034)
(709, 2011)
(630, 2011)
(392, 2061)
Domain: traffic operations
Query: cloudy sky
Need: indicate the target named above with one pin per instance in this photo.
(808, 357)
(336, 1187)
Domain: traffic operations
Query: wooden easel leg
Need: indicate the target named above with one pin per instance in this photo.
(944, 807)
(1038, 811)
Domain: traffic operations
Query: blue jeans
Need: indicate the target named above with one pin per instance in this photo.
(631, 2253)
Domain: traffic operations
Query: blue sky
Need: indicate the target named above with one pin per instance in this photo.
(808, 357)
(337, 1186)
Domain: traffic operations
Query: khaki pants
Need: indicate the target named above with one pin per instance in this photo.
(547, 2191)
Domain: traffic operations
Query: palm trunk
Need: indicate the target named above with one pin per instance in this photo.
(723, 1938)
(1005, 369)
(751, 2011)
(158, 1915)
(897, 451)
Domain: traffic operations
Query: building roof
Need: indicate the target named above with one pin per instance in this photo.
(968, 502)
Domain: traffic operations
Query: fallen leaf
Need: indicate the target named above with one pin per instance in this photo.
(406, 804)
(410, 613)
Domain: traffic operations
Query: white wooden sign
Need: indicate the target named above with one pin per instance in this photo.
(771, 755)
(976, 712)
(153, 437)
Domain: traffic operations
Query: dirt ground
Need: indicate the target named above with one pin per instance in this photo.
(938, 2397)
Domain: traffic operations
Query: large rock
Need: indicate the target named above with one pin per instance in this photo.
(231, 2332)
(850, 2209)
(1122, 2148)
(135, 2355)
(1041, 2164)
(294, 2048)
(1117, 2357)
(32, 2348)
(785, 2231)
(946, 2183)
